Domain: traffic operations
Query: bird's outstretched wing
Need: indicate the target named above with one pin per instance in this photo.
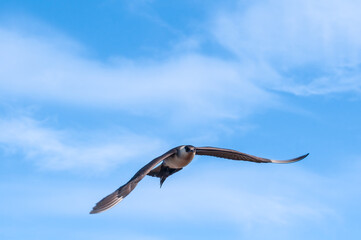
(112, 199)
(235, 155)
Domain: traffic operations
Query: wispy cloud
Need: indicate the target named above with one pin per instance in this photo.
(184, 84)
(60, 150)
(302, 47)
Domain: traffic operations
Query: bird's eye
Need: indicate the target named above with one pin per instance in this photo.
(187, 148)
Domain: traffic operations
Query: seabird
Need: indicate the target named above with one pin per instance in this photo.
(173, 161)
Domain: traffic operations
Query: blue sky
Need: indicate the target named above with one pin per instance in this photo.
(92, 90)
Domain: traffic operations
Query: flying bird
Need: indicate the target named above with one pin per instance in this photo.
(173, 161)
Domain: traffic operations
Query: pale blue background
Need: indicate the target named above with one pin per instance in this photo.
(90, 91)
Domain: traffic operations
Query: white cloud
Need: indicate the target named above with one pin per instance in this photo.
(59, 149)
(183, 85)
(303, 47)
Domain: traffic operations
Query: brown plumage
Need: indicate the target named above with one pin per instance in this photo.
(173, 161)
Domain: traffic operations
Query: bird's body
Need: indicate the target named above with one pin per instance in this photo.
(184, 156)
(173, 161)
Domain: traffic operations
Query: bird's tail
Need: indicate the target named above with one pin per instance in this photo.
(163, 172)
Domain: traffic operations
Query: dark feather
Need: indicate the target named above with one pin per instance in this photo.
(235, 155)
(119, 194)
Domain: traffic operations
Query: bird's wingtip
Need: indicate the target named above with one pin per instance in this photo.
(291, 160)
(108, 202)
(94, 211)
(303, 156)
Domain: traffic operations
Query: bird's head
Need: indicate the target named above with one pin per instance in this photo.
(186, 151)
(189, 149)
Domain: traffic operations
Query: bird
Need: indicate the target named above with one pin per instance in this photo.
(173, 161)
